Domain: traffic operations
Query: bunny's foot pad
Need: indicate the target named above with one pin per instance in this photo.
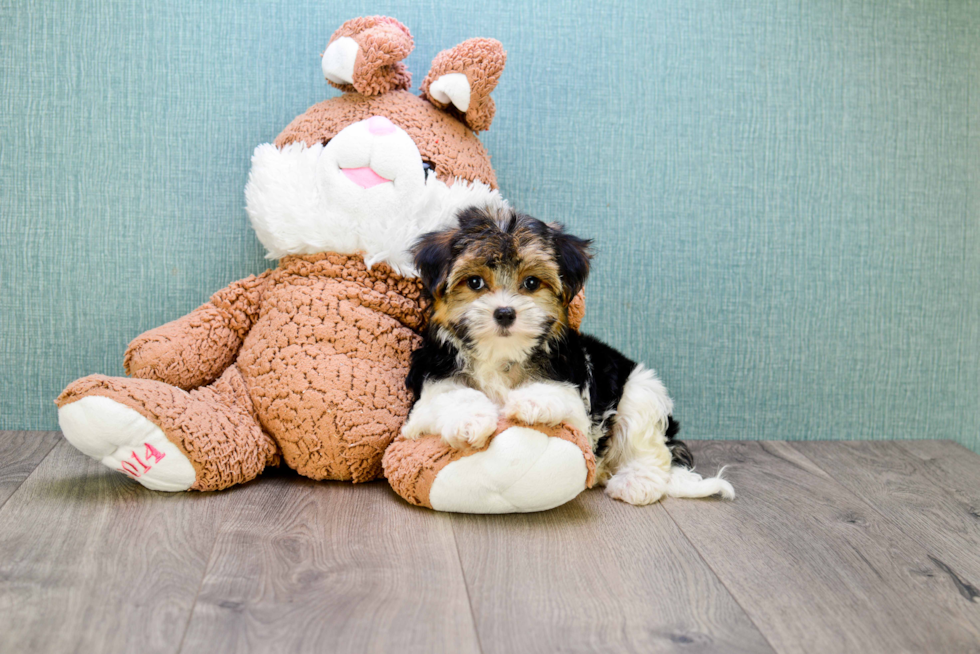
(123, 440)
(522, 469)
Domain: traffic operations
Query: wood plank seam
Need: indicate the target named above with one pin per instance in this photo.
(906, 442)
(721, 581)
(967, 590)
(596, 575)
(113, 555)
(200, 585)
(901, 555)
(358, 569)
(20, 485)
(466, 587)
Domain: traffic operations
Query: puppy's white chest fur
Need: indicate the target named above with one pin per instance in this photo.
(496, 379)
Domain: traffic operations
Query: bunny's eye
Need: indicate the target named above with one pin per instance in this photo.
(428, 167)
(475, 283)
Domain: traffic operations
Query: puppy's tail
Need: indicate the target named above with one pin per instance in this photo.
(684, 482)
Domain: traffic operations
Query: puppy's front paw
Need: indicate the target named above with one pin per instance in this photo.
(415, 428)
(545, 404)
(466, 417)
(461, 416)
(470, 425)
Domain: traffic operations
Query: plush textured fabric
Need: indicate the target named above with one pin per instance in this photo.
(215, 426)
(326, 363)
(383, 42)
(300, 201)
(412, 466)
(448, 144)
(784, 195)
(482, 61)
(319, 378)
(193, 350)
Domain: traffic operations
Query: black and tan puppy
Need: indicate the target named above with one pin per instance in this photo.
(498, 342)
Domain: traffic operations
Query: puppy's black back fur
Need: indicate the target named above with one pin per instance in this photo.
(592, 365)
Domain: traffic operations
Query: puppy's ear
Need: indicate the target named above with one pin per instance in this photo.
(433, 254)
(574, 254)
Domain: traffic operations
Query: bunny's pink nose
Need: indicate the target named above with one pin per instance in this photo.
(379, 125)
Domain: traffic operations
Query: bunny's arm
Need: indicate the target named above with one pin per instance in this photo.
(195, 350)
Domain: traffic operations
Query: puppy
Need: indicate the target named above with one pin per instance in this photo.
(498, 342)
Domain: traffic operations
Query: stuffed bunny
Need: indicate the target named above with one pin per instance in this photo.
(305, 364)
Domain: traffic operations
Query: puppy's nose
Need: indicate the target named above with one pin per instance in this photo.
(379, 125)
(505, 316)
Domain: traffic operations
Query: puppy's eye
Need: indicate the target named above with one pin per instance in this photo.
(531, 284)
(428, 167)
(475, 283)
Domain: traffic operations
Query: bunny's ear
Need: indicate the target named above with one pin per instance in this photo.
(462, 78)
(365, 55)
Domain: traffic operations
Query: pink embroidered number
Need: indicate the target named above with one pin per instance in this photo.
(153, 453)
(150, 453)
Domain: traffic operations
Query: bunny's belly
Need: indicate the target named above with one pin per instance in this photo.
(326, 366)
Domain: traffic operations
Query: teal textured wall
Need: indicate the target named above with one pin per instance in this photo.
(785, 195)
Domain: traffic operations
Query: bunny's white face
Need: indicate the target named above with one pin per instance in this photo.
(367, 190)
(371, 168)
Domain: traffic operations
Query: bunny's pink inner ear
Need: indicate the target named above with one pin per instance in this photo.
(364, 56)
(461, 79)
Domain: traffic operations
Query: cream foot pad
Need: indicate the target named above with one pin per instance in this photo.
(522, 469)
(122, 439)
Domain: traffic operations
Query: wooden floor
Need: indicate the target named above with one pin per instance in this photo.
(829, 547)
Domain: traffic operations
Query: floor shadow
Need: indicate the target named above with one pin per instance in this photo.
(86, 488)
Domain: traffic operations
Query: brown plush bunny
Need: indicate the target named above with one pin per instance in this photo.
(306, 363)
